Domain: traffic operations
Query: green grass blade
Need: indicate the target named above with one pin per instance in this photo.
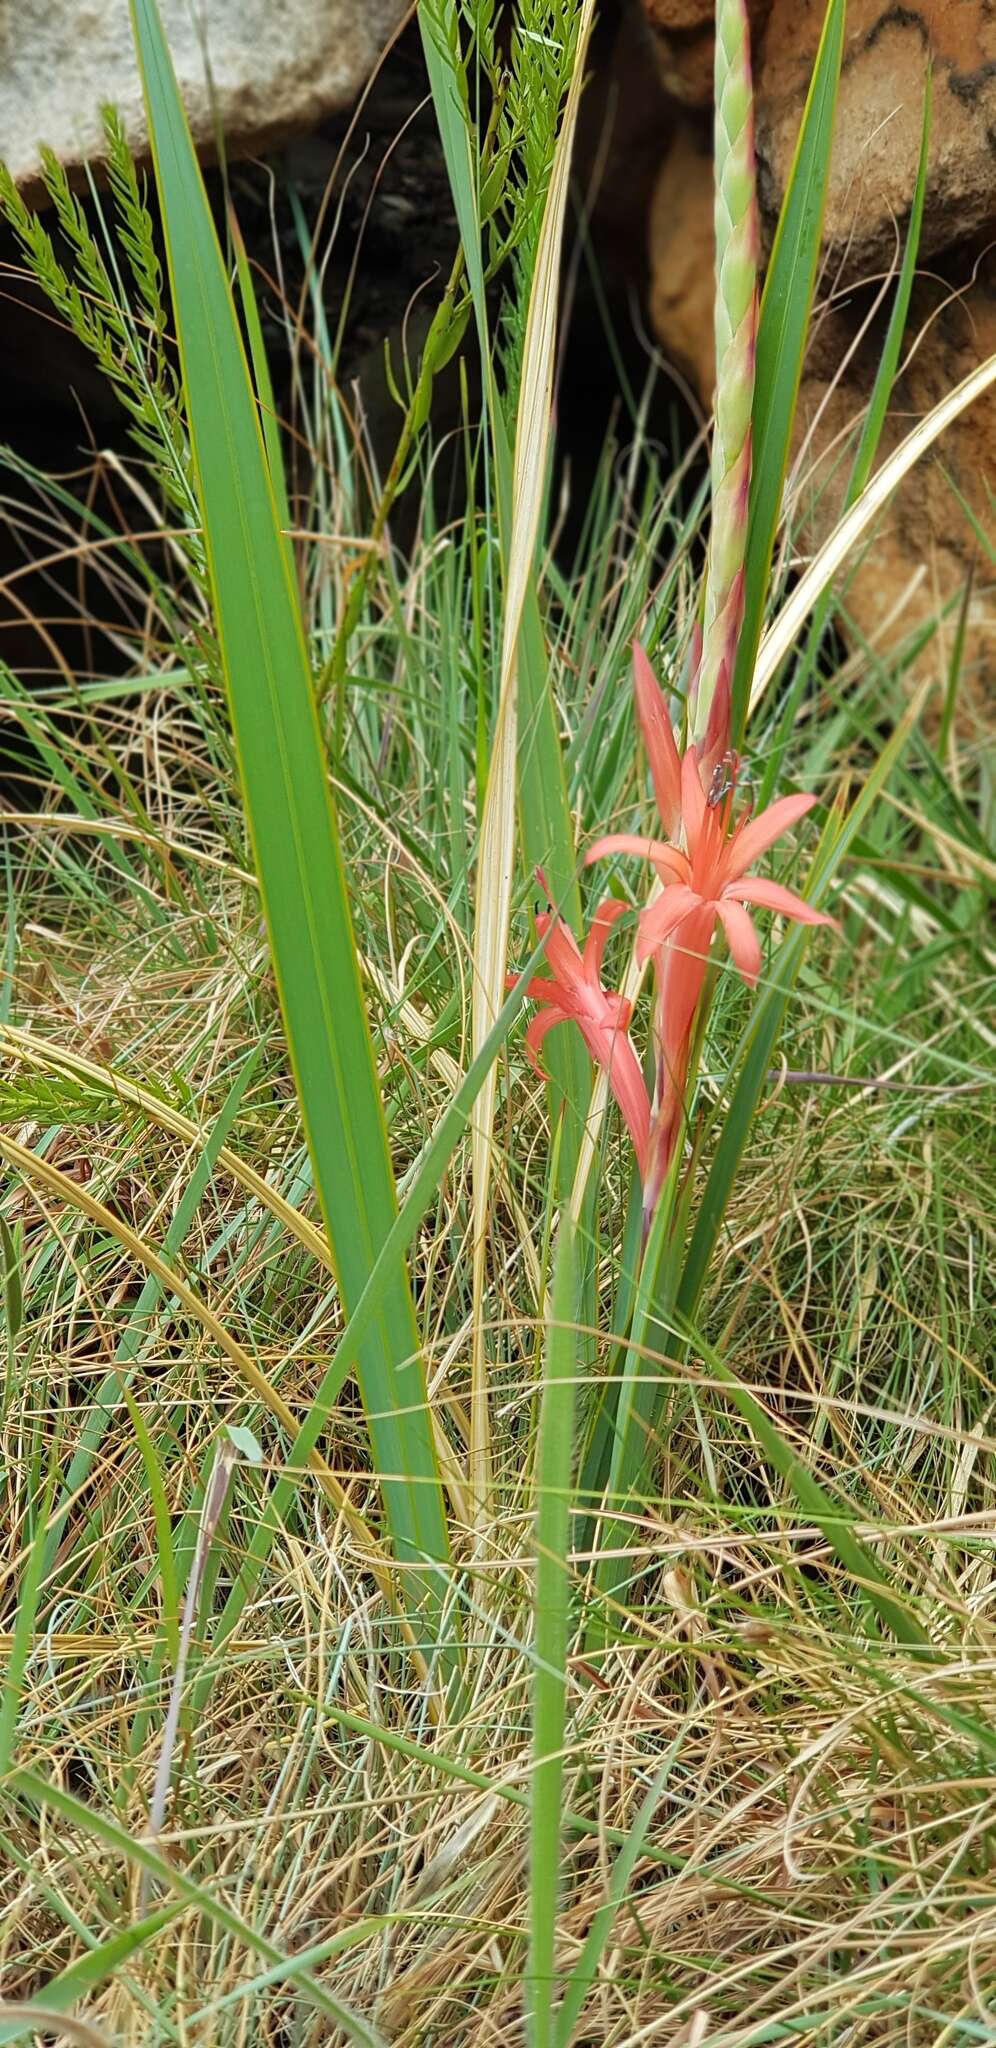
(439, 22)
(129, 1346)
(88, 1973)
(765, 1024)
(669, 1292)
(163, 1525)
(830, 1518)
(885, 375)
(871, 434)
(431, 1168)
(42, 1793)
(585, 1970)
(554, 1458)
(20, 1650)
(954, 668)
(545, 820)
(782, 334)
(290, 814)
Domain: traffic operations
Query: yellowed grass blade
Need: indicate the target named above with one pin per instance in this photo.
(497, 849)
(778, 639)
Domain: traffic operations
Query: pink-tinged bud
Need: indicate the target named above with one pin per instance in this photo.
(715, 742)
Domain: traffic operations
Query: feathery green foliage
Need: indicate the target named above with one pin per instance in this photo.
(127, 341)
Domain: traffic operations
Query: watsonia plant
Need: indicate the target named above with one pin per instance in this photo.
(702, 855)
(643, 1274)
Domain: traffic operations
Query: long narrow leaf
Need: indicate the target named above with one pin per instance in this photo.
(20, 1652)
(782, 335)
(669, 1295)
(861, 468)
(832, 1520)
(129, 1346)
(496, 856)
(431, 1168)
(88, 1972)
(553, 1590)
(849, 530)
(39, 1793)
(585, 1970)
(290, 815)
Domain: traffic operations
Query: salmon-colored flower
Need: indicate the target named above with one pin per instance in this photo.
(708, 883)
(705, 883)
(573, 990)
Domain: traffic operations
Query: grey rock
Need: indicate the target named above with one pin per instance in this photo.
(276, 68)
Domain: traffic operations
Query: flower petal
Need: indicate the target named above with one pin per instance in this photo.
(597, 939)
(754, 837)
(539, 989)
(693, 803)
(682, 965)
(742, 939)
(771, 896)
(662, 917)
(626, 1081)
(563, 955)
(537, 1029)
(658, 738)
(668, 861)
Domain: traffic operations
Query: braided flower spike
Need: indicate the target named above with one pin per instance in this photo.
(573, 990)
(737, 247)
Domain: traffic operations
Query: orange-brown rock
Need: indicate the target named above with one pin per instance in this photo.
(925, 542)
(879, 117)
(683, 31)
(681, 247)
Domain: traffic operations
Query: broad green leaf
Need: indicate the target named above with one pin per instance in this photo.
(291, 820)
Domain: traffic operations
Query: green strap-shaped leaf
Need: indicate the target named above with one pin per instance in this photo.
(554, 1463)
(782, 335)
(290, 814)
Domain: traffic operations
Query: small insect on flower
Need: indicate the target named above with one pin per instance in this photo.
(573, 992)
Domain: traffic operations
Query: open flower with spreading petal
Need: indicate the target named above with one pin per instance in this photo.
(573, 991)
(706, 883)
